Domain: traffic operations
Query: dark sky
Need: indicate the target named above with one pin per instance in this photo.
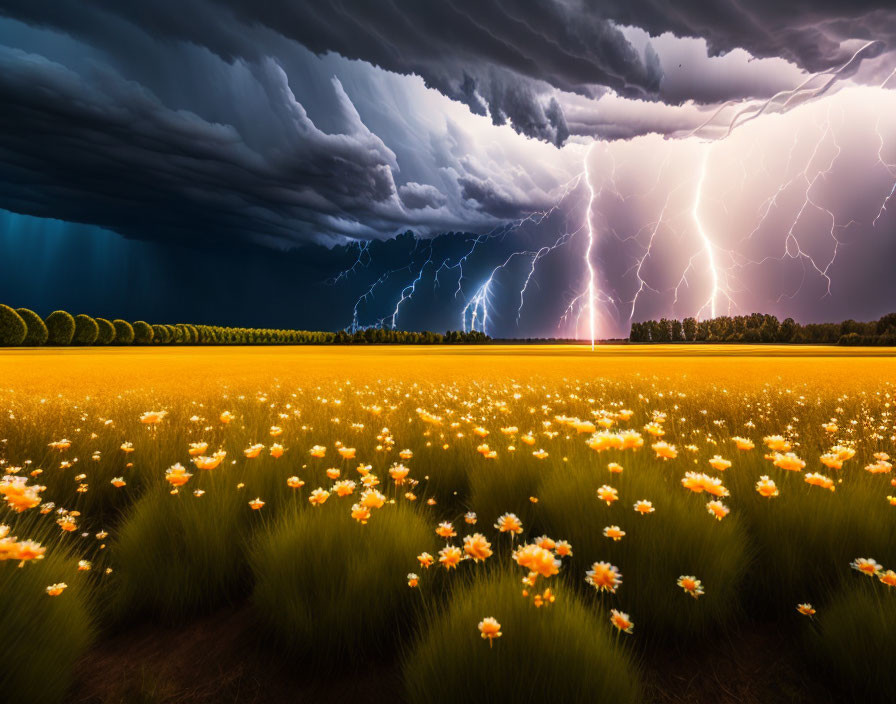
(225, 161)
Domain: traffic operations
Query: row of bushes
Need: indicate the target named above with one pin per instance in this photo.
(22, 326)
(756, 328)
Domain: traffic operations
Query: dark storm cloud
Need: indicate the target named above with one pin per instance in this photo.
(109, 153)
(417, 196)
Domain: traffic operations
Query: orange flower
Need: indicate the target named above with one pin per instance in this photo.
(776, 443)
(399, 473)
(743, 443)
(153, 417)
(605, 440)
(57, 589)
(820, 480)
(536, 559)
(490, 629)
(717, 509)
(644, 507)
(318, 451)
(719, 464)
(212, 462)
(879, 467)
(117, 482)
(413, 579)
(406, 454)
(608, 494)
(425, 559)
(361, 514)
(67, 523)
(509, 523)
(347, 453)
(345, 487)
(371, 498)
(614, 532)
(563, 549)
(766, 487)
(664, 450)
(691, 585)
(197, 448)
(477, 547)
(295, 483)
(866, 565)
(61, 445)
(539, 454)
(470, 517)
(277, 450)
(276, 431)
(614, 468)
(127, 447)
(604, 577)
(318, 497)
(621, 620)
(253, 451)
(888, 578)
(449, 556)
(699, 482)
(655, 429)
(176, 475)
(481, 432)
(528, 439)
(445, 530)
(226, 417)
(805, 609)
(789, 461)
(256, 504)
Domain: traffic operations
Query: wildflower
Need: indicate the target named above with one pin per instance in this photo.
(212, 462)
(630, 440)
(60, 445)
(820, 480)
(766, 487)
(644, 507)
(655, 429)
(153, 417)
(545, 542)
(509, 523)
(490, 629)
(333, 473)
(398, 473)
(698, 483)
(536, 559)
(253, 451)
(295, 483)
(67, 523)
(406, 454)
(805, 609)
(608, 494)
(361, 513)
(84, 565)
(57, 589)
(256, 504)
(866, 565)
(118, 482)
(664, 450)
(197, 448)
(789, 461)
(127, 447)
(879, 467)
(345, 487)
(888, 578)
(614, 468)
(605, 440)
(831, 461)
(691, 585)
(276, 431)
(892, 500)
(719, 464)
(717, 509)
(347, 453)
(318, 497)
(371, 498)
(621, 620)
(318, 451)
(445, 530)
(477, 547)
(449, 556)
(743, 443)
(528, 439)
(614, 532)
(563, 548)
(277, 450)
(413, 579)
(470, 517)
(830, 427)
(226, 417)
(425, 559)
(481, 432)
(604, 577)
(776, 443)
(539, 454)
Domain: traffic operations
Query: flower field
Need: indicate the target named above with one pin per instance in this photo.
(499, 523)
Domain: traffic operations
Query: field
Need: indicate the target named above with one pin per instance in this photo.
(643, 524)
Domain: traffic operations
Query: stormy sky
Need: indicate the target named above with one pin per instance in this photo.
(254, 163)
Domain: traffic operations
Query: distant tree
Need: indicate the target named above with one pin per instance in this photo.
(12, 328)
(60, 328)
(86, 330)
(106, 331)
(37, 329)
(124, 332)
(689, 329)
(143, 333)
(676, 330)
(886, 324)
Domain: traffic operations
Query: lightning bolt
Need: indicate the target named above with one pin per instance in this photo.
(707, 242)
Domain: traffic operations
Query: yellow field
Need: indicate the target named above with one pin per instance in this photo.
(191, 369)
(390, 501)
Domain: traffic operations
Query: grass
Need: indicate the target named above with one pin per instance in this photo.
(565, 652)
(330, 590)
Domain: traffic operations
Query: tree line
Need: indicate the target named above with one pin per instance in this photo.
(22, 326)
(759, 328)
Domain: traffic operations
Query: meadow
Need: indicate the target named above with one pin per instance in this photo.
(526, 523)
